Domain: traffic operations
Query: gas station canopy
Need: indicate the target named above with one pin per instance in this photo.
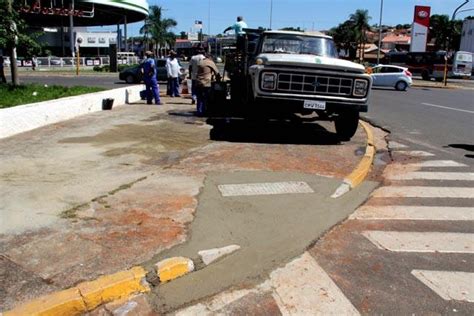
(85, 12)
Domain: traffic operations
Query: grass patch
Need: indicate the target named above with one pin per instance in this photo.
(31, 93)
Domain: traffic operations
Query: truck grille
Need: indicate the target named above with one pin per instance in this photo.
(313, 84)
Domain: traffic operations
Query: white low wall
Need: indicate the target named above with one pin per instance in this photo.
(26, 117)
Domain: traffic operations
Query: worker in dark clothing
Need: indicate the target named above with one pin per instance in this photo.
(151, 82)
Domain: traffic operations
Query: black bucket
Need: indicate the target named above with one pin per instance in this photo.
(107, 104)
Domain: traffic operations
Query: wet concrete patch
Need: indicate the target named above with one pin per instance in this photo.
(270, 230)
(151, 141)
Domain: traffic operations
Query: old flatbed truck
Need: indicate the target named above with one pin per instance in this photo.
(286, 74)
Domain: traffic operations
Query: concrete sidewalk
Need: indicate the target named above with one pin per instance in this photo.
(113, 189)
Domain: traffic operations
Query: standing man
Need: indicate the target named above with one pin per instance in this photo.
(238, 28)
(193, 69)
(207, 73)
(2, 70)
(149, 76)
(34, 62)
(173, 69)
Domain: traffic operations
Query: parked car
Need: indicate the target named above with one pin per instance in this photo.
(134, 75)
(391, 76)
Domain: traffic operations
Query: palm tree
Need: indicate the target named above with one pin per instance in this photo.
(157, 30)
(361, 24)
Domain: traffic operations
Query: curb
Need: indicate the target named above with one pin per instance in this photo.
(358, 175)
(87, 295)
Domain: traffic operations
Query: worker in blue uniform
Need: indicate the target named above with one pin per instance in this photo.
(151, 82)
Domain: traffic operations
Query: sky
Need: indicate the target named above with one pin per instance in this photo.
(307, 14)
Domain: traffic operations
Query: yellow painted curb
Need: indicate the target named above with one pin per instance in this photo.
(358, 175)
(87, 295)
(360, 172)
(172, 268)
(111, 287)
(67, 302)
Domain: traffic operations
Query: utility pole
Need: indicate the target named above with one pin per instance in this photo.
(380, 32)
(71, 30)
(271, 13)
(13, 65)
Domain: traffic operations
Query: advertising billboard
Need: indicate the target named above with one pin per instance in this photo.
(419, 30)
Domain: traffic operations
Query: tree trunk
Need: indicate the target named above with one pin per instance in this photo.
(13, 65)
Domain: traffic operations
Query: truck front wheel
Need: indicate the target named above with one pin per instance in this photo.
(346, 124)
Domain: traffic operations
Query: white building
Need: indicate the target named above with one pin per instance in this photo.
(467, 36)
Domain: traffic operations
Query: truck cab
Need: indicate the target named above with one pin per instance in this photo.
(298, 73)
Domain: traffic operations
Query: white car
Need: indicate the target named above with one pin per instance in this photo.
(391, 76)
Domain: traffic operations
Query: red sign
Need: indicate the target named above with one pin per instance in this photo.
(422, 15)
(36, 8)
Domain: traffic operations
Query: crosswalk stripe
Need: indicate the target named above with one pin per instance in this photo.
(415, 153)
(450, 285)
(395, 145)
(436, 163)
(401, 212)
(424, 192)
(422, 241)
(418, 175)
(303, 288)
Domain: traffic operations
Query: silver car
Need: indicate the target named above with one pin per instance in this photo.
(391, 76)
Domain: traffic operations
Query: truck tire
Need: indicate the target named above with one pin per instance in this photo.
(346, 124)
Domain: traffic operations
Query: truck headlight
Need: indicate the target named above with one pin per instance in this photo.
(360, 87)
(269, 81)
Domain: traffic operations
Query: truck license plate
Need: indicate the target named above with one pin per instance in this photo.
(314, 105)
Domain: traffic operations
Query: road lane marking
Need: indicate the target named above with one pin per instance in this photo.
(414, 153)
(395, 145)
(436, 163)
(422, 241)
(401, 212)
(450, 285)
(303, 288)
(447, 108)
(418, 175)
(424, 192)
(289, 187)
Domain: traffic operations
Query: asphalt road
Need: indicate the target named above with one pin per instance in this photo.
(437, 119)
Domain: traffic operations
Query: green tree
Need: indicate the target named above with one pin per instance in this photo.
(344, 36)
(183, 35)
(446, 33)
(157, 29)
(360, 20)
(15, 35)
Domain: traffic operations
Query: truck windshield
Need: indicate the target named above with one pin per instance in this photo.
(298, 44)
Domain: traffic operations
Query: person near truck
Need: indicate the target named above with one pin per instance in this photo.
(173, 68)
(238, 28)
(207, 72)
(193, 69)
(149, 77)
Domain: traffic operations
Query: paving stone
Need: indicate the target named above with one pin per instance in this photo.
(19, 285)
(135, 306)
(253, 304)
(53, 254)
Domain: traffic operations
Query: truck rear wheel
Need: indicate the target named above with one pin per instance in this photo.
(346, 125)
